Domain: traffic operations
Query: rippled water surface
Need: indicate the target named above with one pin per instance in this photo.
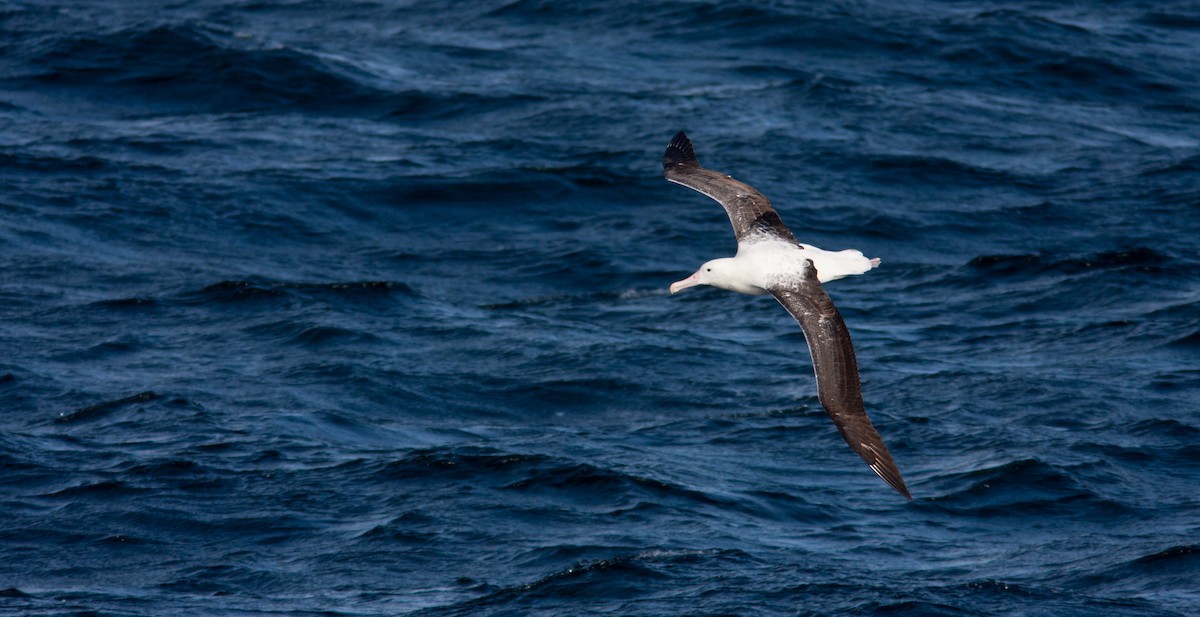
(359, 308)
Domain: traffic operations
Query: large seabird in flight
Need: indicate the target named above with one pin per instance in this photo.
(769, 260)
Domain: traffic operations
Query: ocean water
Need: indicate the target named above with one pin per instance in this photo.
(360, 308)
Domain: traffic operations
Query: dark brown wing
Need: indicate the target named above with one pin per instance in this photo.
(836, 368)
(749, 211)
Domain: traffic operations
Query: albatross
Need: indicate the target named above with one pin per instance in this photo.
(770, 260)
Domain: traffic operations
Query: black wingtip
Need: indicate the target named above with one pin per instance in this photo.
(679, 152)
(886, 469)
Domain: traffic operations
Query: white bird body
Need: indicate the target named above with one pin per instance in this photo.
(768, 263)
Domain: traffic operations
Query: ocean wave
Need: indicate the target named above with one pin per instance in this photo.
(104, 489)
(222, 579)
(195, 68)
(584, 298)
(1138, 259)
(1187, 166)
(1166, 573)
(1176, 380)
(622, 575)
(1035, 53)
(1027, 487)
(431, 106)
(1161, 17)
(481, 190)
(577, 483)
(243, 291)
(104, 409)
(52, 164)
(922, 170)
(126, 304)
(1172, 454)
(1173, 429)
(188, 67)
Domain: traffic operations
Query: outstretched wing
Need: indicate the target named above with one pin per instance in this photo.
(836, 368)
(749, 211)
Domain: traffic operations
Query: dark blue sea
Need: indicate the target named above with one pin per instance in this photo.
(360, 308)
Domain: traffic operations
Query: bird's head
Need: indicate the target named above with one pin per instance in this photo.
(713, 273)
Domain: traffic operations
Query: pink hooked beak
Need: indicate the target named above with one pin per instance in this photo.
(690, 281)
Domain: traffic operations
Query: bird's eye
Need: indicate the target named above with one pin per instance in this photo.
(709, 270)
